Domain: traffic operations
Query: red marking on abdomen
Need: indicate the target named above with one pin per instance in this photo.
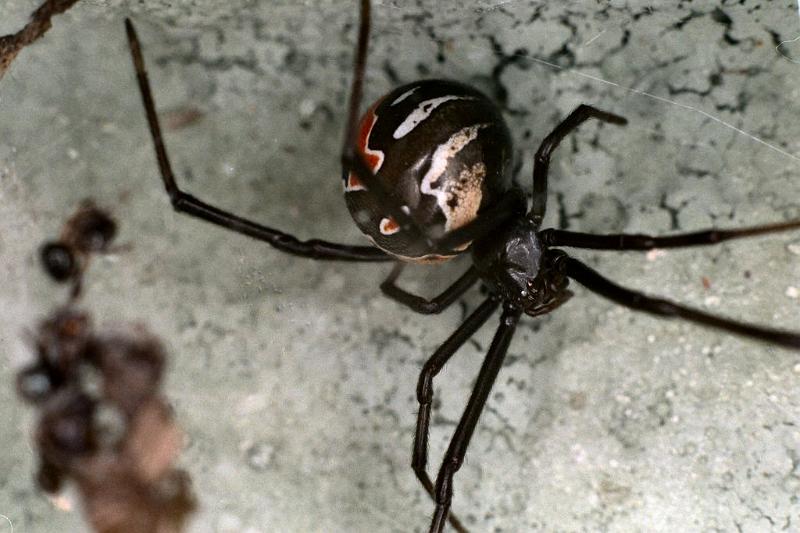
(373, 158)
(353, 183)
(389, 226)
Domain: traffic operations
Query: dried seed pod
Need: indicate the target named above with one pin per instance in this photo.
(58, 261)
(131, 367)
(35, 383)
(66, 428)
(90, 230)
(62, 341)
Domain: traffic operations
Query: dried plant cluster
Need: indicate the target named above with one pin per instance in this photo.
(103, 423)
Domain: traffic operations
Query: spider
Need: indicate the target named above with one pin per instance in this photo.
(426, 175)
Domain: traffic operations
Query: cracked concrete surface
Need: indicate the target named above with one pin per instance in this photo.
(295, 380)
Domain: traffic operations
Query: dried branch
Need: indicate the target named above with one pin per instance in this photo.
(11, 45)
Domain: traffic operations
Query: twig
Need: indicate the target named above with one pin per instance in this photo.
(11, 45)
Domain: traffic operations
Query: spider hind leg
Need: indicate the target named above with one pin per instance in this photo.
(186, 203)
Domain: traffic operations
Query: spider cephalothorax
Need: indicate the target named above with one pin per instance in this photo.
(514, 263)
(427, 176)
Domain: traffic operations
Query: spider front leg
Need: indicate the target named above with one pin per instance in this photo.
(431, 368)
(454, 457)
(420, 304)
(637, 241)
(541, 162)
(186, 203)
(638, 301)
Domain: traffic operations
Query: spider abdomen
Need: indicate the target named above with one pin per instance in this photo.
(442, 150)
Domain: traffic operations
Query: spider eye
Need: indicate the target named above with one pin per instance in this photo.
(58, 261)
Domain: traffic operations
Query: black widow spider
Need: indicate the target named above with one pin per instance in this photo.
(427, 176)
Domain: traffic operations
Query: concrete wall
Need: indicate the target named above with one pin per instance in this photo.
(295, 380)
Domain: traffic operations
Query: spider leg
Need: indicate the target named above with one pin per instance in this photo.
(595, 282)
(432, 367)
(354, 162)
(357, 85)
(487, 375)
(623, 241)
(186, 203)
(541, 162)
(420, 304)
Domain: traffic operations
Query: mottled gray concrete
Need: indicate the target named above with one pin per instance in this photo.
(295, 380)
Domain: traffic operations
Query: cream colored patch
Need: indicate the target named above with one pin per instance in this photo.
(465, 193)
